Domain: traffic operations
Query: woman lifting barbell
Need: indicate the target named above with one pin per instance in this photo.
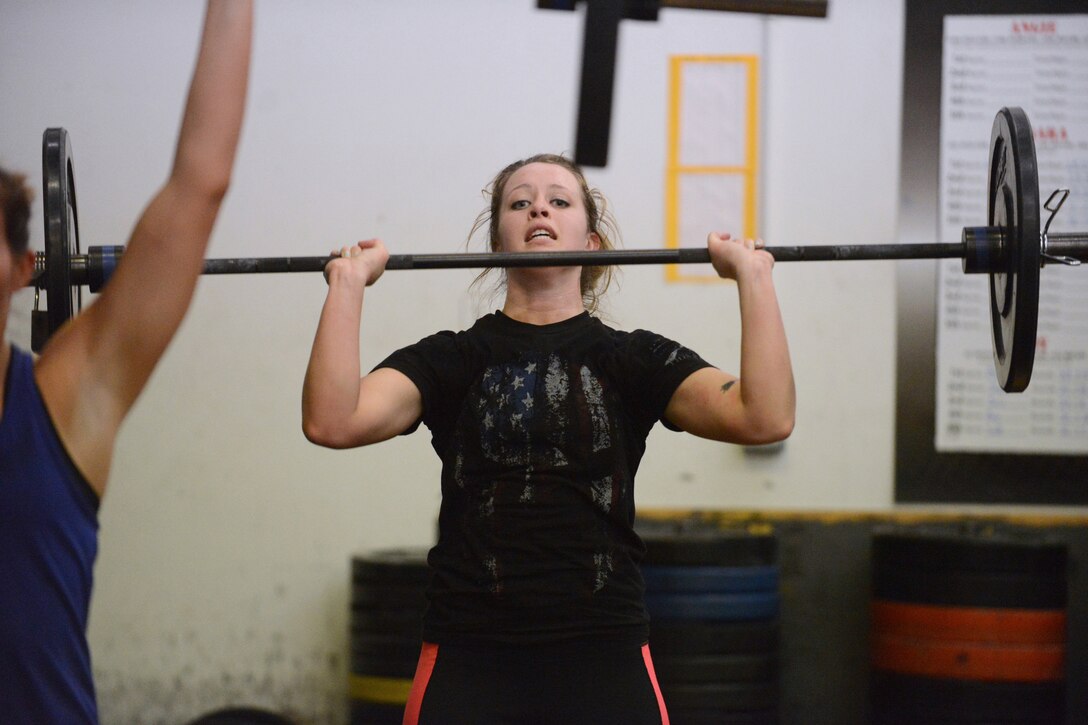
(540, 413)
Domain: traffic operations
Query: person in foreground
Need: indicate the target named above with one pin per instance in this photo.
(60, 414)
(540, 413)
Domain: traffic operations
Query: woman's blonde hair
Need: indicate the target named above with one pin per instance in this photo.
(595, 280)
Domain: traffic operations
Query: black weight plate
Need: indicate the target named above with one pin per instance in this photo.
(709, 547)
(720, 579)
(382, 666)
(945, 550)
(1013, 196)
(681, 716)
(412, 596)
(729, 696)
(374, 713)
(378, 646)
(61, 228)
(970, 589)
(373, 601)
(713, 607)
(404, 565)
(387, 621)
(716, 668)
(888, 718)
(929, 699)
(701, 638)
(242, 716)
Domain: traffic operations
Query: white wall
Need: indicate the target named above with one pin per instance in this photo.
(226, 537)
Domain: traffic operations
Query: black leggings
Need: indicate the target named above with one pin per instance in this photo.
(566, 683)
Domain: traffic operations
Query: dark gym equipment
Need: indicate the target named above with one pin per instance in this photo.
(387, 605)
(967, 626)
(712, 596)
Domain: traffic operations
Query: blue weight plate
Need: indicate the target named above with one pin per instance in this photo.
(713, 607)
(720, 579)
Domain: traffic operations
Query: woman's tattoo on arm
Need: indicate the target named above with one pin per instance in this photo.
(728, 385)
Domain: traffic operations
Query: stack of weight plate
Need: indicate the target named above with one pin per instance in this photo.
(712, 595)
(387, 603)
(967, 627)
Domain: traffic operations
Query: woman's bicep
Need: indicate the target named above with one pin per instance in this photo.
(708, 404)
(389, 404)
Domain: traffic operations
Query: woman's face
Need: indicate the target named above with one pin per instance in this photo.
(542, 209)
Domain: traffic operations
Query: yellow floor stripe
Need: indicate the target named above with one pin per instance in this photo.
(386, 690)
(767, 518)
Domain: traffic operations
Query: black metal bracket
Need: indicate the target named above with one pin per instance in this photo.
(599, 55)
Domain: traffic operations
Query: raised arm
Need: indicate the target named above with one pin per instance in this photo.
(94, 368)
(340, 408)
(758, 407)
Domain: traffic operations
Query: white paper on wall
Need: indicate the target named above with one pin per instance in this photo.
(1039, 63)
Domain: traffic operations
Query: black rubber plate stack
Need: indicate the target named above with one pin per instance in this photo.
(387, 605)
(712, 595)
(967, 627)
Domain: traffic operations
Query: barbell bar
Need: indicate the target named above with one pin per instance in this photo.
(93, 269)
(1011, 249)
(985, 245)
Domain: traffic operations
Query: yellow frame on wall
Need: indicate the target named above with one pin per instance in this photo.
(675, 170)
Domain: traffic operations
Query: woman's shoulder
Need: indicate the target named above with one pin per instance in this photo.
(644, 345)
(449, 339)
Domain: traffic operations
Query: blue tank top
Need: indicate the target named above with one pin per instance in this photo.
(48, 544)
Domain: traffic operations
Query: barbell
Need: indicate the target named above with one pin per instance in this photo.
(1011, 249)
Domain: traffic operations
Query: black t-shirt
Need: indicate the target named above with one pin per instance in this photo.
(540, 429)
